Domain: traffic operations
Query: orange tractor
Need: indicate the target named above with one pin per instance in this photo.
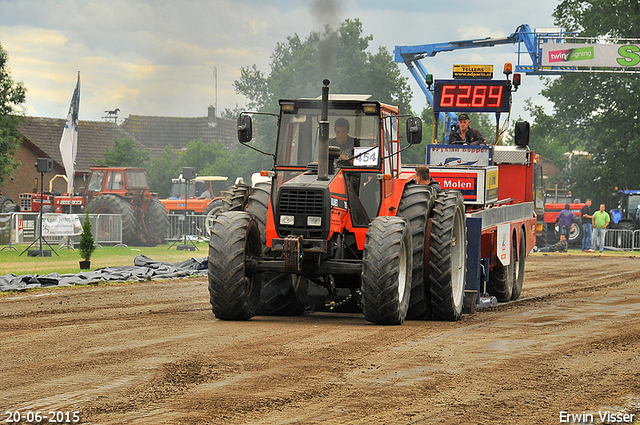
(125, 191)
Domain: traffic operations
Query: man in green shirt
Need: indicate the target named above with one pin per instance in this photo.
(600, 222)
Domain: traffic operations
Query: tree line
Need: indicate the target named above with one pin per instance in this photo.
(596, 113)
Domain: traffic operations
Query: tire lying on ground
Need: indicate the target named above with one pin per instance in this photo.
(448, 256)
(234, 292)
(386, 271)
(112, 204)
(156, 221)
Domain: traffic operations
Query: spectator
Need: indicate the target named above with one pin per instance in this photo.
(565, 220)
(600, 222)
(560, 246)
(587, 218)
(424, 177)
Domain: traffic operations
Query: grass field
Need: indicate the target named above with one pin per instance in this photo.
(68, 260)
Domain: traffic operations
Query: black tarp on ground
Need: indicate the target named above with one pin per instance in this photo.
(143, 268)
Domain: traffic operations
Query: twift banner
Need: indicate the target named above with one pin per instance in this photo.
(586, 55)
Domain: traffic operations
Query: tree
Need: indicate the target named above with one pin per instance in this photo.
(595, 112)
(125, 153)
(12, 97)
(161, 171)
(299, 66)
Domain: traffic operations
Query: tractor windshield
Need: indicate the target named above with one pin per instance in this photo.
(350, 130)
(634, 203)
(137, 180)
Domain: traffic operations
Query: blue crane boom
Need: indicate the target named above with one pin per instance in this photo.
(529, 43)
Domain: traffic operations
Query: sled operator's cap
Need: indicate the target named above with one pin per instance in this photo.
(463, 117)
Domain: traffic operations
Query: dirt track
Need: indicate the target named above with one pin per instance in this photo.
(153, 353)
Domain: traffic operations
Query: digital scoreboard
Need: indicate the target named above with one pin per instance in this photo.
(471, 96)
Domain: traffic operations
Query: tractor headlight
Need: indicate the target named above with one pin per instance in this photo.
(314, 221)
(286, 220)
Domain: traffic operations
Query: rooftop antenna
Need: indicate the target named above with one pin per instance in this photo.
(215, 82)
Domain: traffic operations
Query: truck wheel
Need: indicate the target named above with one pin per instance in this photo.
(236, 198)
(518, 279)
(212, 210)
(233, 291)
(541, 238)
(448, 256)
(501, 278)
(386, 271)
(414, 206)
(156, 220)
(575, 235)
(112, 204)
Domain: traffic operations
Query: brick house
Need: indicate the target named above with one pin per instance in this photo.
(41, 139)
(156, 133)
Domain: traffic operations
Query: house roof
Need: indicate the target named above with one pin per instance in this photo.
(155, 133)
(94, 137)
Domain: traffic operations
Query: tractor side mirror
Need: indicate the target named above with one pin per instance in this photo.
(522, 133)
(414, 130)
(245, 132)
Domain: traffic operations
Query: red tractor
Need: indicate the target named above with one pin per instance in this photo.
(125, 191)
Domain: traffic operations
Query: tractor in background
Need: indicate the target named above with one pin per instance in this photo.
(125, 191)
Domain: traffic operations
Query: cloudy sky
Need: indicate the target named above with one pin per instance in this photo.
(158, 57)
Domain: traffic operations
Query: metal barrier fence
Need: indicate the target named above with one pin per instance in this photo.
(622, 240)
(193, 225)
(23, 228)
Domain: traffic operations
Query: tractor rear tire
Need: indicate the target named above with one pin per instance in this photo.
(414, 206)
(518, 279)
(213, 209)
(236, 198)
(156, 220)
(386, 271)
(234, 293)
(112, 204)
(502, 278)
(448, 256)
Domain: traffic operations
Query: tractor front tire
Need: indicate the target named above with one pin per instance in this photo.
(234, 292)
(112, 204)
(386, 271)
(156, 220)
(415, 206)
(448, 256)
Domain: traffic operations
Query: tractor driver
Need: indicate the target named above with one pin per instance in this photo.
(465, 135)
(345, 142)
